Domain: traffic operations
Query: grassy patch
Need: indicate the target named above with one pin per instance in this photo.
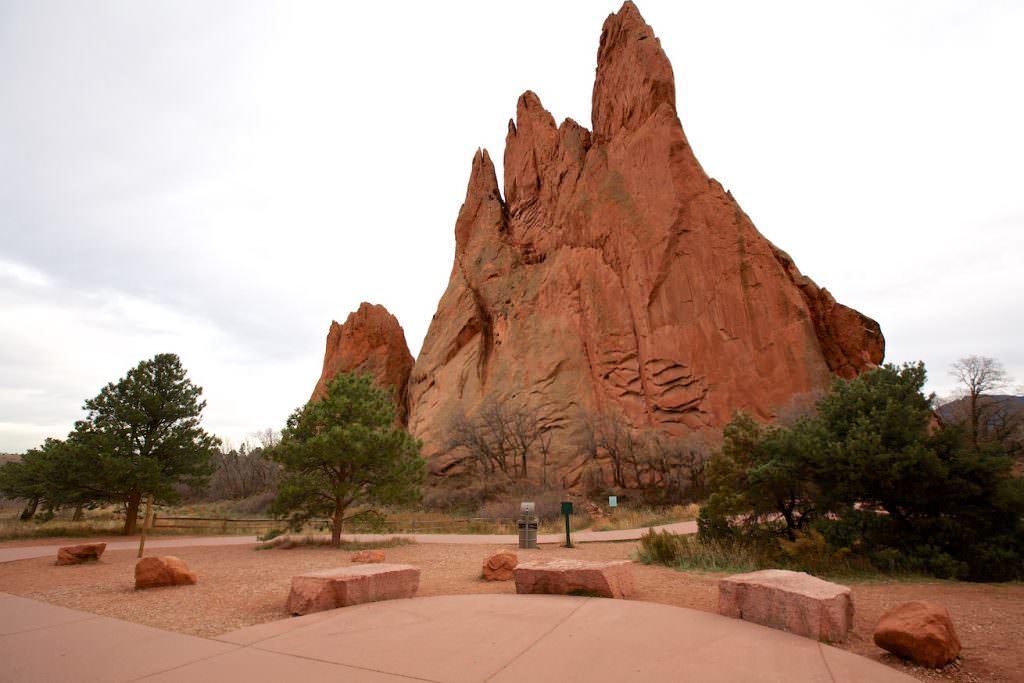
(288, 542)
(640, 518)
(13, 530)
(688, 553)
(808, 554)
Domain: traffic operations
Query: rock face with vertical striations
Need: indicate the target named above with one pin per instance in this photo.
(371, 340)
(614, 276)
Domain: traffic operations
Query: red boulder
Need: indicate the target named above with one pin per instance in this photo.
(919, 631)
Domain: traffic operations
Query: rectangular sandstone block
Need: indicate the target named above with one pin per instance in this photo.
(568, 577)
(352, 585)
(789, 601)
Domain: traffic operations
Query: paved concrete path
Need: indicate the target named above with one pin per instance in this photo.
(445, 638)
(25, 552)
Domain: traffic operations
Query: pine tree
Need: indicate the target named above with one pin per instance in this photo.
(142, 436)
(343, 450)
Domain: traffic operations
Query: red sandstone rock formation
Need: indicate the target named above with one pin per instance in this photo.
(371, 340)
(80, 554)
(920, 631)
(614, 276)
(153, 572)
(500, 566)
(368, 557)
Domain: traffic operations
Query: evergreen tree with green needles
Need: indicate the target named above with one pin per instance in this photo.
(345, 450)
(142, 436)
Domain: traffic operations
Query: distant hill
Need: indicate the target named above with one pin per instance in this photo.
(1002, 420)
(9, 457)
(996, 408)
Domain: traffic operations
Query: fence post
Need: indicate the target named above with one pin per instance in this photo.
(146, 521)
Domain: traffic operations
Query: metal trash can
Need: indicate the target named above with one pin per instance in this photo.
(527, 526)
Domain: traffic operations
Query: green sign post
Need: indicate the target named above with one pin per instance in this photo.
(567, 512)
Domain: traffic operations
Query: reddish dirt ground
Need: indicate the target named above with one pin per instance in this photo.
(239, 587)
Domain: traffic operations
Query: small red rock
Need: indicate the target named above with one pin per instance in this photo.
(369, 556)
(151, 572)
(500, 566)
(919, 631)
(79, 554)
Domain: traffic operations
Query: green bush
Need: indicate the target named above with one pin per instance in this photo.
(870, 478)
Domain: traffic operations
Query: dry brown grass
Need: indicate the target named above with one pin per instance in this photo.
(643, 517)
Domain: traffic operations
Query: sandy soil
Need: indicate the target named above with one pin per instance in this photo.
(239, 587)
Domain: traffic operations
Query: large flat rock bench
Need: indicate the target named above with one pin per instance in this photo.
(789, 601)
(353, 585)
(79, 554)
(576, 577)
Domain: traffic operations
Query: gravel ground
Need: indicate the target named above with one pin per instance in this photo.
(239, 587)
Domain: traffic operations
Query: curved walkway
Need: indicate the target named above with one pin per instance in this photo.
(444, 638)
(11, 554)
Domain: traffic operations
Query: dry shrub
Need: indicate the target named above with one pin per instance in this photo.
(547, 502)
(255, 504)
(638, 518)
(689, 553)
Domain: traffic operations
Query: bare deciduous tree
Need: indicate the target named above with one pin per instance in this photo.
(666, 467)
(502, 438)
(247, 470)
(978, 376)
(676, 466)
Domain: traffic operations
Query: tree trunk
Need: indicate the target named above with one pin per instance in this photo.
(79, 513)
(147, 521)
(974, 419)
(30, 510)
(131, 515)
(339, 515)
(787, 514)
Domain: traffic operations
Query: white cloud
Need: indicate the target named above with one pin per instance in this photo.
(18, 274)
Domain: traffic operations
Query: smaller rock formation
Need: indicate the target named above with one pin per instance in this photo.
(576, 577)
(500, 566)
(80, 554)
(332, 588)
(368, 556)
(153, 572)
(789, 601)
(919, 631)
(371, 340)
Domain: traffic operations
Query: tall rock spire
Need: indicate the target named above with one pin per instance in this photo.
(634, 76)
(616, 278)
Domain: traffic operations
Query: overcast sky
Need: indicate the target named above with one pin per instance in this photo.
(222, 179)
